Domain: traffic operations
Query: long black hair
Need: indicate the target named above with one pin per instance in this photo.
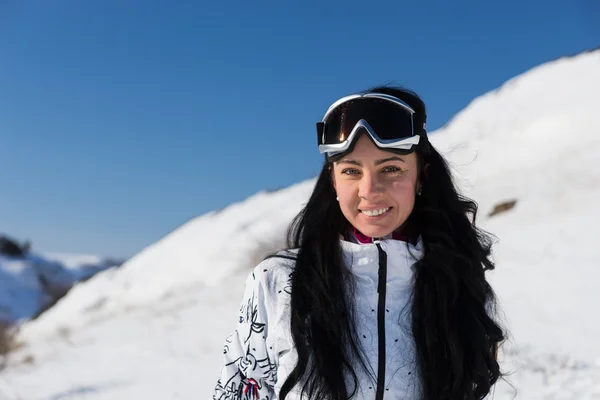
(453, 318)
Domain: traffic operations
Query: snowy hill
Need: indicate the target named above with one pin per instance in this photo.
(155, 327)
(544, 154)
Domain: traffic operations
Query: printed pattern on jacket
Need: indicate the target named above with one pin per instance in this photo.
(250, 370)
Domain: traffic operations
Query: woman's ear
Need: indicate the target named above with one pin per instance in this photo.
(421, 176)
(426, 172)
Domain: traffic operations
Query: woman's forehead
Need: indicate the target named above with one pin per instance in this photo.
(366, 151)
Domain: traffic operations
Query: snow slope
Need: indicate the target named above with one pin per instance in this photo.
(205, 251)
(154, 328)
(544, 154)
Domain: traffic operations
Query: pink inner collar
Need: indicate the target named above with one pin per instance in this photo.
(364, 239)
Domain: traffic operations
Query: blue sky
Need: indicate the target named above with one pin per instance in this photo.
(121, 120)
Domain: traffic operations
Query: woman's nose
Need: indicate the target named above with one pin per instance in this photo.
(369, 186)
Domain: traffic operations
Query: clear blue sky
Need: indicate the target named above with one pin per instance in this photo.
(121, 120)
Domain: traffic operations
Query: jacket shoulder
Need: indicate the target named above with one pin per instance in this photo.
(274, 272)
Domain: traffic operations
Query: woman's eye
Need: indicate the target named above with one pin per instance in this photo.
(391, 169)
(350, 171)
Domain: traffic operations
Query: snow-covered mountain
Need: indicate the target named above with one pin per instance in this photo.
(155, 327)
(29, 283)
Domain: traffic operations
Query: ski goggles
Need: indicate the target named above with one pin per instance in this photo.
(388, 120)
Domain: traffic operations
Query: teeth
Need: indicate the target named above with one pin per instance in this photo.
(374, 213)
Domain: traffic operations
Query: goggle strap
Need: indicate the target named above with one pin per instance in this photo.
(320, 132)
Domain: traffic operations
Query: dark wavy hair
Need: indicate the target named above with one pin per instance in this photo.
(453, 306)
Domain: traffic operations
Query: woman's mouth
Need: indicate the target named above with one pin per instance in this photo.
(376, 212)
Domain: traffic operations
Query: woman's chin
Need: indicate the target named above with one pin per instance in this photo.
(376, 227)
(374, 232)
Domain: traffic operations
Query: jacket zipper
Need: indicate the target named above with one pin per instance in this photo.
(381, 290)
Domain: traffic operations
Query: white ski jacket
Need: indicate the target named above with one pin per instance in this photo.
(259, 354)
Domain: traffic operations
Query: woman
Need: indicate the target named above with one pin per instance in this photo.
(382, 293)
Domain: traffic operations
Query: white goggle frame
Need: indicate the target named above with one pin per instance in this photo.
(403, 144)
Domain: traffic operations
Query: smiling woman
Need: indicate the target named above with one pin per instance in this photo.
(382, 292)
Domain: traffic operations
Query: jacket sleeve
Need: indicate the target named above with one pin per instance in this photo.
(248, 371)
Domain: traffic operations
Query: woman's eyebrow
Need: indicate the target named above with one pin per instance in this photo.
(346, 161)
(395, 158)
(378, 162)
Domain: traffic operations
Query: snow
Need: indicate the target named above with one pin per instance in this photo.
(544, 153)
(198, 252)
(154, 328)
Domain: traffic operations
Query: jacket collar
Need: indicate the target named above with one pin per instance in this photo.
(363, 259)
(364, 239)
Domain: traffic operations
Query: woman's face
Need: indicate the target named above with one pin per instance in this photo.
(376, 188)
